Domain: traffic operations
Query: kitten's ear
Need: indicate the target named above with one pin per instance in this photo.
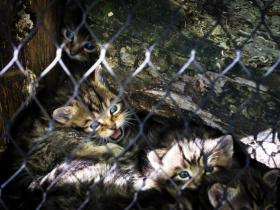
(272, 177)
(225, 145)
(98, 79)
(216, 194)
(154, 158)
(100, 85)
(219, 193)
(64, 114)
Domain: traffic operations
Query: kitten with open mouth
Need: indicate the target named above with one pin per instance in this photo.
(96, 111)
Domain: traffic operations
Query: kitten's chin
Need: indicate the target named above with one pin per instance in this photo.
(117, 135)
(77, 57)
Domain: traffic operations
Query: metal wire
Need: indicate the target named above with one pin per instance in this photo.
(261, 146)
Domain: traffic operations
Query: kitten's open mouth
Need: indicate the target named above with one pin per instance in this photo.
(117, 135)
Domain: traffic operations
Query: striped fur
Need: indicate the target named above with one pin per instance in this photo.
(94, 105)
(187, 163)
(78, 43)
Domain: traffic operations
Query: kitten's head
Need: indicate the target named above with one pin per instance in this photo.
(252, 192)
(101, 112)
(78, 44)
(189, 162)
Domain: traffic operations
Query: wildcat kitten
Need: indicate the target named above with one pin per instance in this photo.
(99, 111)
(215, 153)
(78, 43)
(41, 152)
(125, 176)
(188, 163)
(249, 192)
(35, 149)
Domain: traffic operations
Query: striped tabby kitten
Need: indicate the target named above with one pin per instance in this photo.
(188, 163)
(176, 157)
(249, 192)
(99, 111)
(125, 177)
(78, 43)
(42, 150)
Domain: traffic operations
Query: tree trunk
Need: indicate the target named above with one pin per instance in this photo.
(35, 27)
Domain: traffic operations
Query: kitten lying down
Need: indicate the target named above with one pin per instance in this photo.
(188, 162)
(185, 162)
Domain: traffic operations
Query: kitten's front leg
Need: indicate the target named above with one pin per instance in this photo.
(91, 150)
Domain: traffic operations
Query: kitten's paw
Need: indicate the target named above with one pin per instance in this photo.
(114, 149)
(91, 150)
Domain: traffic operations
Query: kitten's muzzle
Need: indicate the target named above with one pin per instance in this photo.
(74, 52)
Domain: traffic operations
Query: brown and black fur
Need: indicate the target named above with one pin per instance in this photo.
(121, 181)
(96, 184)
(38, 145)
(76, 56)
(93, 104)
(249, 190)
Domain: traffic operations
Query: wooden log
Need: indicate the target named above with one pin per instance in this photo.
(232, 105)
(265, 148)
(11, 93)
(222, 86)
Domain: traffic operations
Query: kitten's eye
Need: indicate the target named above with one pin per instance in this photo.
(113, 109)
(89, 47)
(95, 125)
(183, 175)
(69, 35)
(210, 169)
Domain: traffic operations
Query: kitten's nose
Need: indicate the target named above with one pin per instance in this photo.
(74, 52)
(114, 127)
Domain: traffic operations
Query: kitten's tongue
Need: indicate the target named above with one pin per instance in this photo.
(116, 135)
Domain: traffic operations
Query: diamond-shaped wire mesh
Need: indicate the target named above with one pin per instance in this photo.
(139, 104)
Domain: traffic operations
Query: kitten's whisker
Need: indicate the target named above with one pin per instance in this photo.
(128, 114)
(128, 124)
(130, 119)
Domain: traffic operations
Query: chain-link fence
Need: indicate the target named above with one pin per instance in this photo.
(139, 104)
